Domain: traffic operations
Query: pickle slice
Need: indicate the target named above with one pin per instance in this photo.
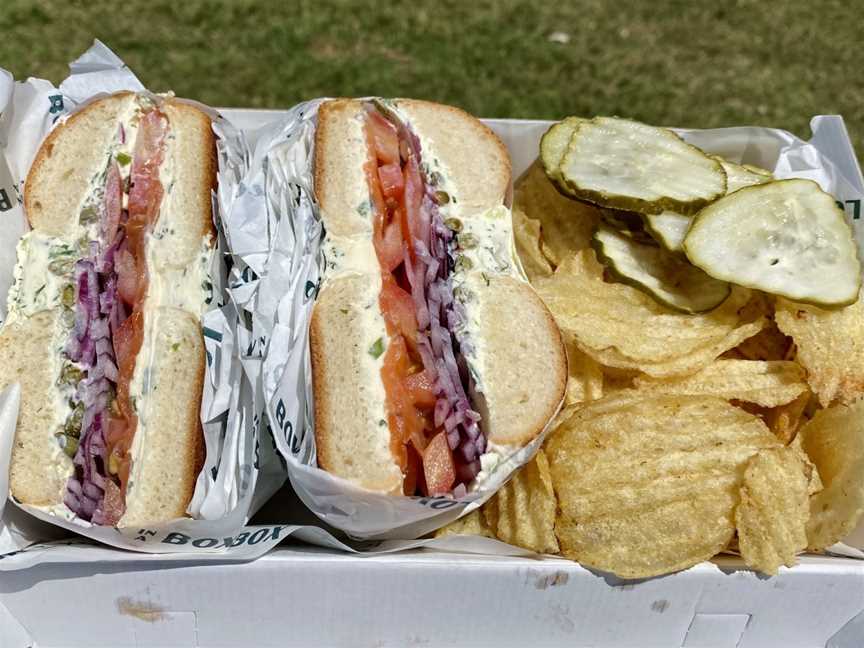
(786, 237)
(739, 176)
(626, 165)
(668, 228)
(554, 143)
(630, 224)
(666, 277)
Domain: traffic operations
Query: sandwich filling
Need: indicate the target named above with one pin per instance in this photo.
(110, 285)
(435, 433)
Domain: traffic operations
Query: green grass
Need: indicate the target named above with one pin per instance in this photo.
(697, 64)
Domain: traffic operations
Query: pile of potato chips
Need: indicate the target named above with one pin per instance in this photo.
(683, 435)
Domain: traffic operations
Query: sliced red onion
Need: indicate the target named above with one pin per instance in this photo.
(109, 369)
(472, 430)
(450, 423)
(460, 491)
(99, 329)
(104, 348)
(453, 439)
(88, 351)
(86, 507)
(425, 349)
(480, 442)
(442, 410)
(415, 278)
(92, 491)
(72, 501)
(468, 451)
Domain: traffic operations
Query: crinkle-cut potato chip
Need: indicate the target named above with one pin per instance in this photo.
(522, 513)
(648, 485)
(584, 375)
(769, 384)
(830, 346)
(471, 524)
(768, 344)
(620, 326)
(775, 505)
(526, 232)
(834, 441)
(785, 420)
(814, 480)
(567, 225)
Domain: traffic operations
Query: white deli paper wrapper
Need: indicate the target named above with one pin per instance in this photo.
(234, 480)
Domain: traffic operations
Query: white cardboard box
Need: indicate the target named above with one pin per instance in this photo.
(305, 596)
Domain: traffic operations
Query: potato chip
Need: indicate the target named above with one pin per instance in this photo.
(830, 346)
(834, 441)
(815, 481)
(620, 326)
(775, 506)
(615, 380)
(785, 420)
(567, 224)
(526, 232)
(768, 344)
(522, 513)
(585, 375)
(648, 484)
(769, 384)
(471, 524)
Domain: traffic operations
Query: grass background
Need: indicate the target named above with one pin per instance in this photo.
(672, 62)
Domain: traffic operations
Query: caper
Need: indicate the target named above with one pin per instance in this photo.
(60, 266)
(72, 427)
(68, 298)
(71, 375)
(436, 179)
(467, 241)
(454, 224)
(69, 444)
(442, 197)
(463, 264)
(68, 317)
(88, 215)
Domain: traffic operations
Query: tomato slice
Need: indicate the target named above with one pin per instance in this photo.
(392, 181)
(389, 246)
(438, 467)
(422, 389)
(403, 418)
(145, 192)
(384, 138)
(129, 277)
(370, 168)
(397, 307)
(413, 472)
(127, 344)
